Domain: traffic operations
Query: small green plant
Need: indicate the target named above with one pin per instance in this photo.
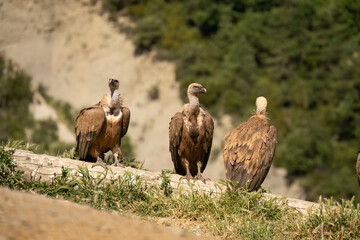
(69, 153)
(8, 176)
(165, 183)
(154, 92)
(20, 144)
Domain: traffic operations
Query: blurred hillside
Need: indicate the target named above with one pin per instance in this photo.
(302, 55)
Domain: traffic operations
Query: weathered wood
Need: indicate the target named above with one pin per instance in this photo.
(43, 167)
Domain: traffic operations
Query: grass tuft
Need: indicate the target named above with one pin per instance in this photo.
(20, 144)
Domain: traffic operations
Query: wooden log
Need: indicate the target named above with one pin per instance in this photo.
(44, 167)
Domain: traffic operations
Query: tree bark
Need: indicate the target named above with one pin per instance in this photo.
(43, 167)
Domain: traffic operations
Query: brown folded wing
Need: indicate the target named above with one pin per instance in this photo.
(175, 134)
(249, 151)
(125, 120)
(206, 136)
(89, 123)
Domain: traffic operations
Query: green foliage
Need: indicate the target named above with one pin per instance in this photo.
(45, 137)
(154, 92)
(113, 6)
(8, 176)
(165, 183)
(70, 153)
(45, 133)
(15, 96)
(303, 56)
(148, 32)
(19, 144)
(128, 153)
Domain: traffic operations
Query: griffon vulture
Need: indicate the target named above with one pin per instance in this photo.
(99, 128)
(249, 149)
(190, 135)
(358, 166)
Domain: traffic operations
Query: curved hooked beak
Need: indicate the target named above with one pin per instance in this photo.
(203, 90)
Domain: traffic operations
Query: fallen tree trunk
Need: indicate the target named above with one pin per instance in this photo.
(44, 167)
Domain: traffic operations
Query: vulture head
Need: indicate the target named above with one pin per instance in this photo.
(113, 84)
(195, 89)
(261, 104)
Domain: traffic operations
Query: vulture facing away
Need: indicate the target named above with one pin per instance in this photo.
(99, 128)
(249, 149)
(190, 135)
(358, 166)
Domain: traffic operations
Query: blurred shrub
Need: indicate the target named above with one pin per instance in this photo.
(45, 134)
(15, 97)
(126, 148)
(148, 32)
(154, 92)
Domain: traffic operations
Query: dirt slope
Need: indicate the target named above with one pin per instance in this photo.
(31, 216)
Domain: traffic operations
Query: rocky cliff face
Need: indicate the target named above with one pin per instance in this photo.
(72, 49)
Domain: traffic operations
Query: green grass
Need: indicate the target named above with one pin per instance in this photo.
(233, 215)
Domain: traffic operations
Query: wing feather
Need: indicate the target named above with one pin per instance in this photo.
(266, 158)
(89, 123)
(125, 120)
(206, 133)
(249, 151)
(175, 135)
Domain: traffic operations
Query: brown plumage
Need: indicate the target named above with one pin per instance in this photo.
(249, 149)
(99, 128)
(358, 166)
(190, 135)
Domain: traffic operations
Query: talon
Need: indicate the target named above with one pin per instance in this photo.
(118, 164)
(201, 178)
(187, 177)
(100, 162)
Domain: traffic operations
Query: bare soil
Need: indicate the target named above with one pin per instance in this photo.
(31, 216)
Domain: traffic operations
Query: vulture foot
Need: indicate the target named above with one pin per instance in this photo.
(118, 164)
(201, 178)
(188, 177)
(100, 162)
(117, 161)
